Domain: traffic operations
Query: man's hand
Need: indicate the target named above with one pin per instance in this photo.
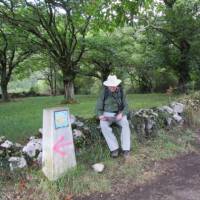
(102, 117)
(119, 116)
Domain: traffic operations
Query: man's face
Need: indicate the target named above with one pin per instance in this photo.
(112, 88)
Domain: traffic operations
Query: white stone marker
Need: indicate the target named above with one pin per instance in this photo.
(57, 145)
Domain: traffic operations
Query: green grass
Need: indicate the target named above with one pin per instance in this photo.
(23, 117)
(83, 180)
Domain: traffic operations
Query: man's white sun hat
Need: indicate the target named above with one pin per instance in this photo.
(112, 81)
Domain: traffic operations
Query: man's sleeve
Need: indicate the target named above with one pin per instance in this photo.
(126, 109)
(99, 104)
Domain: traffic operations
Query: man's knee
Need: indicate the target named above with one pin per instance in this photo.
(124, 122)
(104, 124)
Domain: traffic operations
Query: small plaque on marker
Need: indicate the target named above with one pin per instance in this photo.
(61, 119)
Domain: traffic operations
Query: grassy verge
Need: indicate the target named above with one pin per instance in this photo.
(83, 180)
(23, 117)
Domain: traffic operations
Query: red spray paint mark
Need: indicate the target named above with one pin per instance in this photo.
(61, 142)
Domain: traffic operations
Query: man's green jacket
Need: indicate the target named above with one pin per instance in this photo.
(110, 103)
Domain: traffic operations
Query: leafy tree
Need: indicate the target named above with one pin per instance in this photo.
(13, 51)
(50, 75)
(45, 68)
(101, 56)
(59, 26)
(178, 21)
(108, 53)
(117, 13)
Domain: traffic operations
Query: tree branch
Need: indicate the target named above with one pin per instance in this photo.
(83, 32)
(90, 74)
(5, 40)
(21, 57)
(167, 34)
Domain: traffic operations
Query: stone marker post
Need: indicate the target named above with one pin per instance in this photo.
(57, 144)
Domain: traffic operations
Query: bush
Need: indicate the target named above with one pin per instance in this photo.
(164, 80)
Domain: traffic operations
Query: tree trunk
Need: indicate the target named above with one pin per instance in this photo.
(51, 78)
(105, 74)
(183, 78)
(69, 90)
(51, 88)
(68, 81)
(145, 83)
(5, 96)
(55, 81)
(183, 66)
(169, 3)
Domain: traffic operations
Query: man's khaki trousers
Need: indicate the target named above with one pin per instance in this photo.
(111, 138)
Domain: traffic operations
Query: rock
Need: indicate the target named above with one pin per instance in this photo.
(154, 114)
(2, 139)
(77, 133)
(167, 109)
(177, 107)
(32, 147)
(2, 153)
(17, 163)
(177, 117)
(146, 113)
(85, 128)
(32, 138)
(131, 124)
(79, 124)
(98, 167)
(150, 124)
(39, 159)
(169, 121)
(72, 119)
(40, 130)
(17, 145)
(7, 144)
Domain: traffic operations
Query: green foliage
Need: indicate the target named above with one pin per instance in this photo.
(163, 79)
(13, 51)
(177, 31)
(83, 85)
(109, 53)
(113, 14)
(59, 27)
(36, 62)
(192, 102)
(154, 44)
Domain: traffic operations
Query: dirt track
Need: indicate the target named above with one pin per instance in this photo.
(181, 181)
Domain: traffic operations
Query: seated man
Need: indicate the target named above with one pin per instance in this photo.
(111, 108)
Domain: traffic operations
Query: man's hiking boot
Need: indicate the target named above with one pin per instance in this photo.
(126, 154)
(115, 153)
